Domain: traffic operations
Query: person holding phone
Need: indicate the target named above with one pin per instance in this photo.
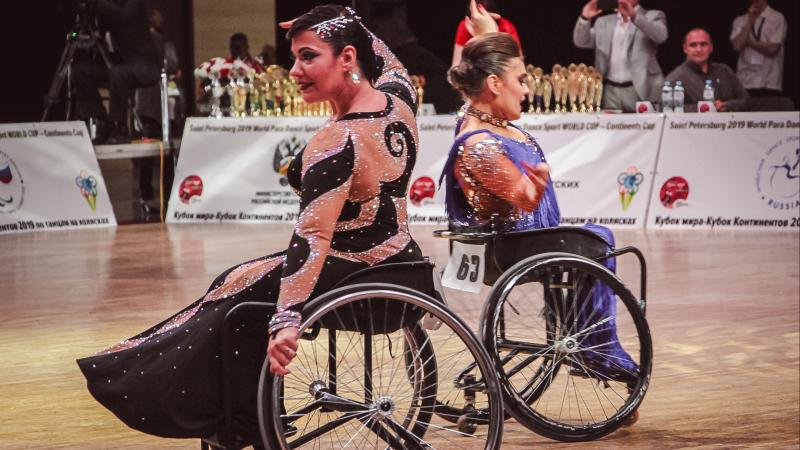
(625, 44)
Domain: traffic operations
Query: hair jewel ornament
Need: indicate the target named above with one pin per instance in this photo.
(326, 28)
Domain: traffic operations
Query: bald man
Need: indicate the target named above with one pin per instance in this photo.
(729, 92)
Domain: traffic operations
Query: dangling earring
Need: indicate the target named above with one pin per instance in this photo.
(355, 78)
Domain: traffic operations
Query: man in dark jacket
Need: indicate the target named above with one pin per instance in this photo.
(729, 93)
(135, 63)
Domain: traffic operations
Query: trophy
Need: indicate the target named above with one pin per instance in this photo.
(598, 91)
(583, 88)
(253, 95)
(217, 90)
(530, 82)
(418, 81)
(564, 81)
(239, 96)
(547, 92)
(538, 86)
(555, 79)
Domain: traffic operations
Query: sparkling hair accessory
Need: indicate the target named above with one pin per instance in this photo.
(326, 28)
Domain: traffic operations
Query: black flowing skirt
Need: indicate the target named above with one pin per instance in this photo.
(167, 380)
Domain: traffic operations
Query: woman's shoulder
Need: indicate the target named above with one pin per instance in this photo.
(330, 136)
(470, 135)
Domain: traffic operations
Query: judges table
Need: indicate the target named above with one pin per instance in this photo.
(680, 171)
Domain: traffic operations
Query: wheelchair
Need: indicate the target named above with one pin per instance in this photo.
(547, 354)
(569, 341)
(381, 363)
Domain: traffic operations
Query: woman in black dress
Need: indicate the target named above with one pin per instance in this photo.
(352, 179)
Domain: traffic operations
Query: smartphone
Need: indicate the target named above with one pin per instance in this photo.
(607, 5)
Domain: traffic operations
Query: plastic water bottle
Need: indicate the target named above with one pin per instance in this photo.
(666, 97)
(677, 97)
(708, 92)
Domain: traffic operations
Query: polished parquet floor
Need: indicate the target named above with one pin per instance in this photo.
(724, 311)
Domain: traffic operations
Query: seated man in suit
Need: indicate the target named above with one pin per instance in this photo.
(730, 94)
(625, 47)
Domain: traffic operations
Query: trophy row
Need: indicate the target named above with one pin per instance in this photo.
(575, 88)
(268, 93)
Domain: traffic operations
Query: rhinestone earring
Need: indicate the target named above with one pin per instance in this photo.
(355, 78)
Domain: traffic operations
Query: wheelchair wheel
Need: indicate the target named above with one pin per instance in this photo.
(570, 344)
(372, 363)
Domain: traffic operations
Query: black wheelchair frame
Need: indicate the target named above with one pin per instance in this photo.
(510, 254)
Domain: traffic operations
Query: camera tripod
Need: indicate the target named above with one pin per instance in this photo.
(83, 35)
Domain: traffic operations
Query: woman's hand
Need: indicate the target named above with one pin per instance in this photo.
(282, 349)
(539, 175)
(286, 24)
(480, 21)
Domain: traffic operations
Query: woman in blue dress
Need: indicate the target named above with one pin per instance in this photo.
(495, 169)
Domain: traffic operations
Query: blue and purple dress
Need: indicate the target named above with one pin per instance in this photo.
(481, 167)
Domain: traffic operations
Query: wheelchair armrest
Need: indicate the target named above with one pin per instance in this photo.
(462, 236)
(642, 271)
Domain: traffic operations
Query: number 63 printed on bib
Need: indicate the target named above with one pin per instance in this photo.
(465, 268)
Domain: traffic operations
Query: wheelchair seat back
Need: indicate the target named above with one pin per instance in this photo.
(380, 315)
(504, 250)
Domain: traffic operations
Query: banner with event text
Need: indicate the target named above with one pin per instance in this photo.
(731, 171)
(50, 179)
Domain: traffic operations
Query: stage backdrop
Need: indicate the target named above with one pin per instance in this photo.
(734, 171)
(233, 169)
(50, 179)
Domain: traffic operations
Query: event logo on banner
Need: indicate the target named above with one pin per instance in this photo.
(191, 189)
(87, 186)
(285, 152)
(674, 192)
(629, 182)
(778, 176)
(12, 188)
(422, 191)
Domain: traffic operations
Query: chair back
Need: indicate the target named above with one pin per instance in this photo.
(380, 315)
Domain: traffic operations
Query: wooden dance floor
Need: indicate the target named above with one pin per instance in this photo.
(723, 311)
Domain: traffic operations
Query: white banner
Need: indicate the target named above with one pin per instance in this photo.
(50, 179)
(229, 169)
(734, 171)
(234, 169)
(602, 165)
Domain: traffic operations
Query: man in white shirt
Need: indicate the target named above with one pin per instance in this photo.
(625, 47)
(758, 37)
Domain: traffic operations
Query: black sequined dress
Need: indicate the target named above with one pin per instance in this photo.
(352, 179)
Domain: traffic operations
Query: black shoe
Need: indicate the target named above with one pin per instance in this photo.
(119, 135)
